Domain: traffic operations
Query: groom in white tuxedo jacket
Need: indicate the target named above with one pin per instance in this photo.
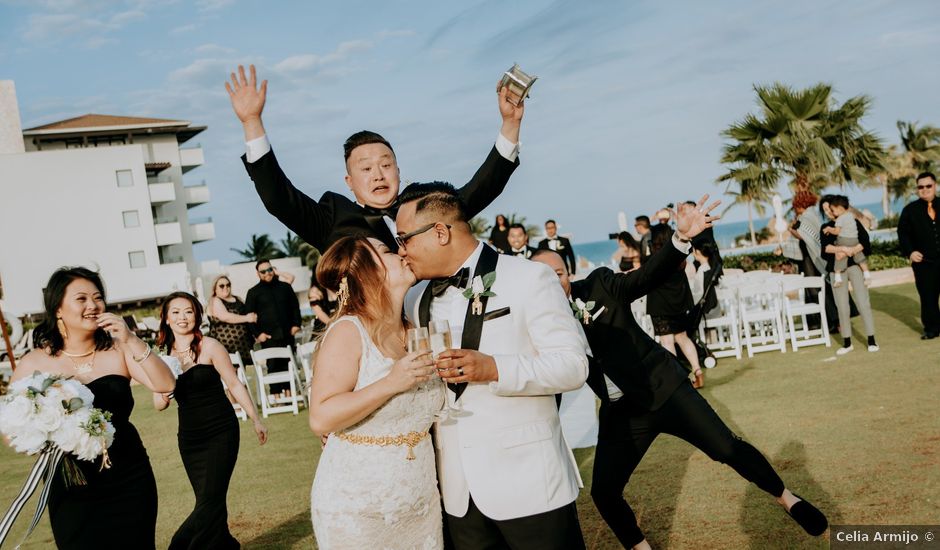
(507, 477)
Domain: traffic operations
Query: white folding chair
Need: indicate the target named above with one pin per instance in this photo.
(761, 317)
(269, 403)
(240, 371)
(726, 327)
(798, 308)
(305, 355)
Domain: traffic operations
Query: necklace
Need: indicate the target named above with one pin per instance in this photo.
(82, 367)
(185, 356)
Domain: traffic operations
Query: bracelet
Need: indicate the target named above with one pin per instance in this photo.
(143, 357)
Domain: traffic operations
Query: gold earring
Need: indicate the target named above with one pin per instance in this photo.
(63, 330)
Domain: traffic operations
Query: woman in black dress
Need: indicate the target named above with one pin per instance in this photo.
(117, 508)
(228, 322)
(208, 430)
(499, 236)
(668, 305)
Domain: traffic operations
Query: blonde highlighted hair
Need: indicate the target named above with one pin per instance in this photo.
(353, 263)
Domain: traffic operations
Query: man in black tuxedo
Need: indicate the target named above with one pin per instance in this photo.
(644, 391)
(372, 174)
(278, 313)
(919, 237)
(561, 245)
(519, 242)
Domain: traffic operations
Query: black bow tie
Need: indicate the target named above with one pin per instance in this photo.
(459, 280)
(391, 211)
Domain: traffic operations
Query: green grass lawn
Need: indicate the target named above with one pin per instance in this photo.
(858, 435)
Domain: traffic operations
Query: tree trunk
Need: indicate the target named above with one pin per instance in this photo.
(885, 199)
(750, 223)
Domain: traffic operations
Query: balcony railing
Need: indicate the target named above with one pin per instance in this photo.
(168, 232)
(196, 194)
(191, 158)
(162, 192)
(201, 230)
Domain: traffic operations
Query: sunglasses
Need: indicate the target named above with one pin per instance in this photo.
(224, 285)
(266, 271)
(402, 240)
(928, 186)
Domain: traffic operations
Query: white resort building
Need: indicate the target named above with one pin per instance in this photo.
(99, 191)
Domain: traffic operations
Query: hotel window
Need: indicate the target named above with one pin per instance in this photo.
(131, 218)
(125, 178)
(137, 259)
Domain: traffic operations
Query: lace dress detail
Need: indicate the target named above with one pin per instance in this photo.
(370, 496)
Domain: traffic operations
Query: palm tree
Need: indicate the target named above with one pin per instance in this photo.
(479, 227)
(293, 246)
(260, 247)
(806, 135)
(921, 144)
(751, 184)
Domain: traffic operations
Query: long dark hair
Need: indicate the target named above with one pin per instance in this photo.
(165, 335)
(47, 334)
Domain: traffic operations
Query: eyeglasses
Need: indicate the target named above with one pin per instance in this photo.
(266, 271)
(928, 186)
(402, 240)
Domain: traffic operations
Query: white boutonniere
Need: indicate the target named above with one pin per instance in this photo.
(479, 287)
(583, 311)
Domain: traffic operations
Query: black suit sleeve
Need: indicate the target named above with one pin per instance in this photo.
(251, 306)
(627, 287)
(487, 183)
(543, 244)
(311, 220)
(569, 254)
(296, 320)
(906, 232)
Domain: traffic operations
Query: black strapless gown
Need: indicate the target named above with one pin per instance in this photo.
(118, 507)
(208, 440)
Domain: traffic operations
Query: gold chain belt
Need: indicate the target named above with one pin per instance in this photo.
(410, 440)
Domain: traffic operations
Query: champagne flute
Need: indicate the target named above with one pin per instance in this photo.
(418, 340)
(441, 340)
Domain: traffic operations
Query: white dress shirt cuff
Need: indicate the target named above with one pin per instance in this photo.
(506, 148)
(685, 248)
(257, 148)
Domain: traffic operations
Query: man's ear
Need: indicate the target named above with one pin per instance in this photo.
(348, 180)
(443, 235)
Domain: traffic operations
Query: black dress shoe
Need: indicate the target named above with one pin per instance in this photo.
(808, 517)
(929, 335)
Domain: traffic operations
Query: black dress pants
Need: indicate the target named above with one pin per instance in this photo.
(626, 435)
(927, 280)
(557, 529)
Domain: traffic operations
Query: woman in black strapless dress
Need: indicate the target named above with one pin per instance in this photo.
(117, 507)
(208, 430)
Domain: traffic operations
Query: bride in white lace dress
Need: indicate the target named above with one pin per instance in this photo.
(375, 485)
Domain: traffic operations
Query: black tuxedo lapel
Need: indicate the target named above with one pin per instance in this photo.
(376, 220)
(424, 307)
(473, 324)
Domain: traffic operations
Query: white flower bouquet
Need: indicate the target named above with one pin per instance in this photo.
(52, 416)
(52, 410)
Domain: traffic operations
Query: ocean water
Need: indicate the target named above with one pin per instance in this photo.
(599, 252)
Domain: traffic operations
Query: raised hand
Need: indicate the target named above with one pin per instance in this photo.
(115, 326)
(512, 114)
(692, 220)
(248, 100)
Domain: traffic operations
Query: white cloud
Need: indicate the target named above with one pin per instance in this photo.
(184, 28)
(309, 61)
(213, 5)
(209, 49)
(88, 22)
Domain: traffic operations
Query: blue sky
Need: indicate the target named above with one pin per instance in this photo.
(626, 115)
